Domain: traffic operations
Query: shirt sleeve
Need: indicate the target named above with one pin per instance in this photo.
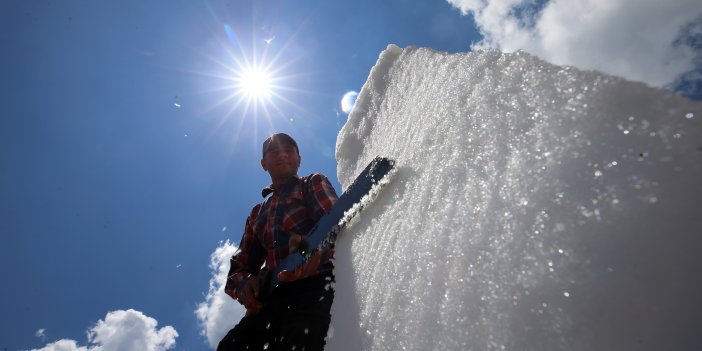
(323, 198)
(247, 260)
(323, 195)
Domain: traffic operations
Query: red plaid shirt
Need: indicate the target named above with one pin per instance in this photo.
(293, 209)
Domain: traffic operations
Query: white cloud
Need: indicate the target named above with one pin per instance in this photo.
(121, 330)
(635, 39)
(219, 312)
(62, 345)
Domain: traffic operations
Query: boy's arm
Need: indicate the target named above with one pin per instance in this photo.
(246, 261)
(322, 199)
(323, 195)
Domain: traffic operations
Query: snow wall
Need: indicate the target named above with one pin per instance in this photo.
(536, 207)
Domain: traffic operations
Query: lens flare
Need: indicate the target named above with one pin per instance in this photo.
(348, 101)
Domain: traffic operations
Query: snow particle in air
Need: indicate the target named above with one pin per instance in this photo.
(690, 115)
(566, 294)
(41, 334)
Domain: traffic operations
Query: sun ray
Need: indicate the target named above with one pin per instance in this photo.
(258, 90)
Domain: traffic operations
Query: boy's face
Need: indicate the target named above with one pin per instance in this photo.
(281, 160)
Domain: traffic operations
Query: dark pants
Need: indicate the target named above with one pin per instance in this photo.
(295, 317)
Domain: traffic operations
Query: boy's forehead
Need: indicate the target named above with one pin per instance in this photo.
(278, 144)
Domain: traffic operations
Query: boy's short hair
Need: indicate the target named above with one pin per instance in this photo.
(281, 138)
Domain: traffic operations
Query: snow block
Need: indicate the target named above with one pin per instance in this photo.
(535, 207)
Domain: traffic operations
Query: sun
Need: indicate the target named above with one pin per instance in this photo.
(258, 84)
(255, 83)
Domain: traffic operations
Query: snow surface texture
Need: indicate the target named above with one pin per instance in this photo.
(535, 207)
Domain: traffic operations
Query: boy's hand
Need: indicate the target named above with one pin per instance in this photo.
(304, 270)
(248, 296)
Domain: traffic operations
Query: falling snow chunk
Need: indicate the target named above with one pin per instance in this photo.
(224, 229)
(690, 115)
(176, 104)
(566, 294)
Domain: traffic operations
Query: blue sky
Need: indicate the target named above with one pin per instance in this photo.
(126, 159)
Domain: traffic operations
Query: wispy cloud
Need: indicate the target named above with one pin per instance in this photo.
(219, 313)
(645, 40)
(120, 330)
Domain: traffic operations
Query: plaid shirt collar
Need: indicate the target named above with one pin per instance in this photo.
(270, 188)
